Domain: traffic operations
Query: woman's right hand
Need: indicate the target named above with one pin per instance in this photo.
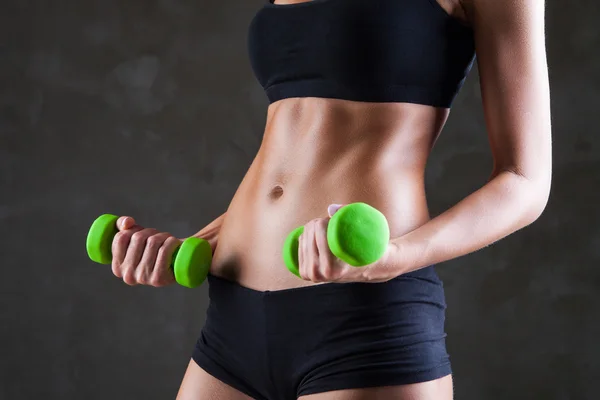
(142, 255)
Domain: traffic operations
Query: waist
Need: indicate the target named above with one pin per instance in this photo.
(263, 213)
(331, 152)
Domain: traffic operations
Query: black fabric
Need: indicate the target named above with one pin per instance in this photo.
(362, 50)
(279, 345)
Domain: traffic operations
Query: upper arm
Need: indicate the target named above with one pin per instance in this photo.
(511, 58)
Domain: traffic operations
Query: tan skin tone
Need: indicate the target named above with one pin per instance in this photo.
(318, 151)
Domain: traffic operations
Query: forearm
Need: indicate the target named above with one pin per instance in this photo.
(211, 231)
(507, 203)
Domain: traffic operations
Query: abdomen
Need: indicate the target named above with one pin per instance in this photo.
(316, 152)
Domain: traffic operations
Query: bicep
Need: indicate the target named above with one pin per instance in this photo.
(511, 58)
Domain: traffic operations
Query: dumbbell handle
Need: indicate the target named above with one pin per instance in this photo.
(190, 261)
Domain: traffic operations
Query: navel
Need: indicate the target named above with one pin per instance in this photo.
(276, 192)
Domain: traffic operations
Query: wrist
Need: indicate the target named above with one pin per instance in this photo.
(396, 259)
(410, 255)
(387, 267)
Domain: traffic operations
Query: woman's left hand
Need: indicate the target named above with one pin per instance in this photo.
(318, 264)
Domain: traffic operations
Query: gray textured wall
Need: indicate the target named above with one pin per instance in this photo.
(149, 108)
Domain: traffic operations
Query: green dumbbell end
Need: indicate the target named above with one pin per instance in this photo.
(290, 251)
(192, 262)
(100, 237)
(358, 234)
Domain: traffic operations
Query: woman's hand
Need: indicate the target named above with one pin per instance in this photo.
(318, 264)
(142, 255)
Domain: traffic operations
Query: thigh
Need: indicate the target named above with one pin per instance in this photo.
(438, 389)
(198, 384)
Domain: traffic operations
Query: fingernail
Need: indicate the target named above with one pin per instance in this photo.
(333, 208)
(124, 223)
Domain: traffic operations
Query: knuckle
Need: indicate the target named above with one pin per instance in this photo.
(129, 278)
(154, 281)
(162, 258)
(172, 239)
(141, 279)
(116, 269)
(172, 242)
(137, 237)
(154, 242)
(121, 239)
(157, 281)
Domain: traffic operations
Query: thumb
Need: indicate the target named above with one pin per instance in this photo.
(332, 209)
(125, 223)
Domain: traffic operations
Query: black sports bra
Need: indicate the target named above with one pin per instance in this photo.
(363, 50)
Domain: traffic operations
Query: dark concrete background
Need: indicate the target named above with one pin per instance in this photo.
(150, 108)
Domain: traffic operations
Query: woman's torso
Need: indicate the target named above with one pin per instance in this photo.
(318, 151)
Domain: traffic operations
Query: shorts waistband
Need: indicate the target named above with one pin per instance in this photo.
(425, 287)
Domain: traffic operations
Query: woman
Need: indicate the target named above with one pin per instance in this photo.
(359, 91)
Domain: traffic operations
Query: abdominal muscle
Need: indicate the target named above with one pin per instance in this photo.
(316, 152)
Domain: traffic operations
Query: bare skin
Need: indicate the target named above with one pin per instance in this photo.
(199, 385)
(318, 151)
(439, 389)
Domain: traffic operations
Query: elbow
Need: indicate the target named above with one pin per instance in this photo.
(530, 195)
(534, 197)
(537, 207)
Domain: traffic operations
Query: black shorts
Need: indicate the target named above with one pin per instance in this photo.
(279, 345)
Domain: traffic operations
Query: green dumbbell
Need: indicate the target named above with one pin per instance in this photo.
(190, 262)
(357, 234)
